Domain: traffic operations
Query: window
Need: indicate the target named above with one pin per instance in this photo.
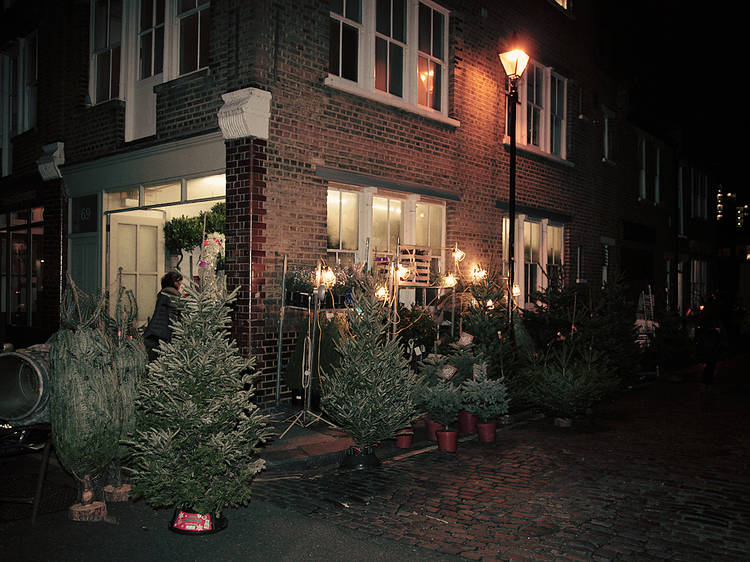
(345, 25)
(698, 194)
(542, 119)
(105, 49)
(367, 221)
(657, 176)
(151, 38)
(543, 253)
(642, 170)
(21, 265)
(390, 42)
(343, 226)
(608, 140)
(194, 22)
(393, 51)
(698, 281)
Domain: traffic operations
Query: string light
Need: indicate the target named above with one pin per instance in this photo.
(477, 273)
(458, 255)
(449, 280)
(327, 277)
(381, 293)
(516, 290)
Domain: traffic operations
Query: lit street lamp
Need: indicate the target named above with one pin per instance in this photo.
(514, 63)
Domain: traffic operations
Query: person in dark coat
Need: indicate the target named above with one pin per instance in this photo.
(709, 334)
(165, 312)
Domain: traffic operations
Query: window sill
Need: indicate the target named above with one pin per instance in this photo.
(352, 88)
(533, 151)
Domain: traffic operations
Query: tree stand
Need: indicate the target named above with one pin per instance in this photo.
(87, 510)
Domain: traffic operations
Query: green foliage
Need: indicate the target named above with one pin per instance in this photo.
(569, 378)
(369, 393)
(183, 233)
(215, 218)
(299, 282)
(442, 402)
(198, 431)
(416, 324)
(485, 398)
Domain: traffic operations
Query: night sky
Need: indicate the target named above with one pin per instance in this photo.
(685, 60)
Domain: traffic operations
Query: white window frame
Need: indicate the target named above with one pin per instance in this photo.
(519, 276)
(544, 142)
(176, 18)
(642, 195)
(365, 83)
(365, 251)
(110, 47)
(608, 137)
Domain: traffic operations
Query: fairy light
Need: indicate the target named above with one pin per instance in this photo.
(477, 273)
(457, 254)
(402, 272)
(327, 277)
(381, 293)
(449, 280)
(516, 290)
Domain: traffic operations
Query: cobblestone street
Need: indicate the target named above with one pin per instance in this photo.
(661, 473)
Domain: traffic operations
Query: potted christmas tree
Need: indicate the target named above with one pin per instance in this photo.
(443, 402)
(198, 432)
(369, 393)
(486, 399)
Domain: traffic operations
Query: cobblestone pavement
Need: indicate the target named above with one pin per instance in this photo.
(660, 473)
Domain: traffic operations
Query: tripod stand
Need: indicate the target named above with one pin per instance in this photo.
(301, 418)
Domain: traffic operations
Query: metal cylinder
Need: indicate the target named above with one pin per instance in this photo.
(24, 387)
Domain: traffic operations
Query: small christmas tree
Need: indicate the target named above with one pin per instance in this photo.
(370, 392)
(198, 432)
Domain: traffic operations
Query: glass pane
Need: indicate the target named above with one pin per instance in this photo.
(535, 241)
(333, 214)
(129, 282)
(146, 296)
(159, 16)
(18, 278)
(437, 35)
(37, 267)
(210, 186)
(159, 51)
(380, 223)
(115, 22)
(422, 225)
(205, 28)
(3, 223)
(526, 241)
(147, 14)
(398, 30)
(114, 87)
(435, 85)
(18, 218)
(383, 17)
(352, 10)
(186, 5)
(337, 7)
(146, 54)
(333, 47)
(37, 214)
(188, 44)
(100, 25)
(157, 194)
(120, 200)
(349, 220)
(436, 226)
(126, 247)
(424, 28)
(147, 238)
(381, 64)
(3, 274)
(423, 69)
(395, 223)
(102, 76)
(397, 70)
(349, 52)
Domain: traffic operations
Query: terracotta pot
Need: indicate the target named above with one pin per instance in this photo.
(447, 440)
(467, 422)
(486, 432)
(403, 440)
(359, 458)
(432, 428)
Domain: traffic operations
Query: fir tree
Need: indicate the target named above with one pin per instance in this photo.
(198, 432)
(370, 392)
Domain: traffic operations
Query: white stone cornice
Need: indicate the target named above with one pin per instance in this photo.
(245, 113)
(49, 163)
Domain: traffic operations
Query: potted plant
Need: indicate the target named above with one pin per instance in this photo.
(299, 287)
(443, 402)
(486, 399)
(182, 234)
(370, 392)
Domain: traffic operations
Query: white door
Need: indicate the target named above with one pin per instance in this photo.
(136, 257)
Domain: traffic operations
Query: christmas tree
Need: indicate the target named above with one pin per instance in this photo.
(370, 392)
(198, 432)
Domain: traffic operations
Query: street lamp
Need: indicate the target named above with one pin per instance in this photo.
(514, 63)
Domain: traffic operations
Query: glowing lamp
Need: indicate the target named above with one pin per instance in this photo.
(402, 272)
(514, 63)
(449, 280)
(516, 290)
(458, 255)
(381, 293)
(327, 277)
(477, 273)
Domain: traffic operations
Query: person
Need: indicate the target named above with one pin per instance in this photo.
(708, 334)
(165, 312)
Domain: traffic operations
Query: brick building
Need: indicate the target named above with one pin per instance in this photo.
(331, 130)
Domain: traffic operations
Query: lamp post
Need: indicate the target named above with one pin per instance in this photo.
(514, 63)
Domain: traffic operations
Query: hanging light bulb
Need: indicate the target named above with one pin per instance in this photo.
(327, 277)
(516, 290)
(458, 255)
(449, 280)
(477, 273)
(381, 292)
(402, 272)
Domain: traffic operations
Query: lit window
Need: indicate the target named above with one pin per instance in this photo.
(105, 56)
(386, 224)
(430, 59)
(343, 225)
(532, 247)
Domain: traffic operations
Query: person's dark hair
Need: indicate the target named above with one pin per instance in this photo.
(170, 279)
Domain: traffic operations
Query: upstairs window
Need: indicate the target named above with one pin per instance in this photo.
(194, 22)
(541, 123)
(105, 49)
(345, 25)
(151, 38)
(394, 51)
